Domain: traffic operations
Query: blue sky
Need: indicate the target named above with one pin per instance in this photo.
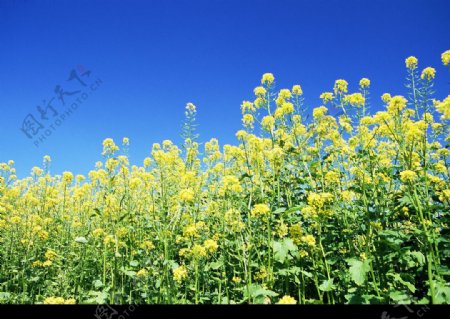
(150, 58)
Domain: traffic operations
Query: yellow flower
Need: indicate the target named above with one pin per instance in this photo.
(268, 122)
(411, 62)
(332, 177)
(287, 108)
(319, 200)
(142, 273)
(236, 279)
(211, 245)
(54, 301)
(340, 86)
(428, 74)
(297, 90)
(43, 235)
(248, 120)
(15, 220)
(309, 240)
(355, 99)
(319, 112)
(408, 176)
(445, 195)
(267, 78)
(284, 94)
(187, 195)
(303, 253)
(47, 263)
(231, 183)
(121, 232)
(147, 245)
(446, 57)
(109, 147)
(260, 210)
(59, 301)
(147, 161)
(98, 232)
(67, 177)
(109, 239)
(444, 108)
(126, 141)
(396, 104)
(198, 251)
(247, 106)
(260, 91)
(364, 83)
(295, 231)
(326, 97)
(386, 97)
(287, 300)
(179, 274)
(50, 254)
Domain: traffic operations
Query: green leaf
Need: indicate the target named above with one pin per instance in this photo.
(98, 283)
(419, 257)
(35, 279)
(400, 297)
(327, 285)
(399, 279)
(216, 265)
(100, 297)
(129, 273)
(279, 210)
(4, 295)
(442, 293)
(279, 251)
(259, 291)
(289, 244)
(81, 240)
(358, 270)
(354, 299)
(293, 209)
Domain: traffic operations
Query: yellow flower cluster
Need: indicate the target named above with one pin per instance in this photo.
(260, 210)
(287, 300)
(180, 274)
(340, 86)
(408, 176)
(364, 83)
(446, 57)
(411, 62)
(59, 301)
(428, 74)
(267, 78)
(355, 99)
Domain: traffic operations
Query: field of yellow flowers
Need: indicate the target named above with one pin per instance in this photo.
(307, 208)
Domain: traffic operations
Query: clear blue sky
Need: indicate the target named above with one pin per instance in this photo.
(155, 56)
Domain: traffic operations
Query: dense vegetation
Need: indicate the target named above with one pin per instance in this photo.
(350, 208)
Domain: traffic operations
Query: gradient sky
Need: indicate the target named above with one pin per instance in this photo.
(152, 57)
